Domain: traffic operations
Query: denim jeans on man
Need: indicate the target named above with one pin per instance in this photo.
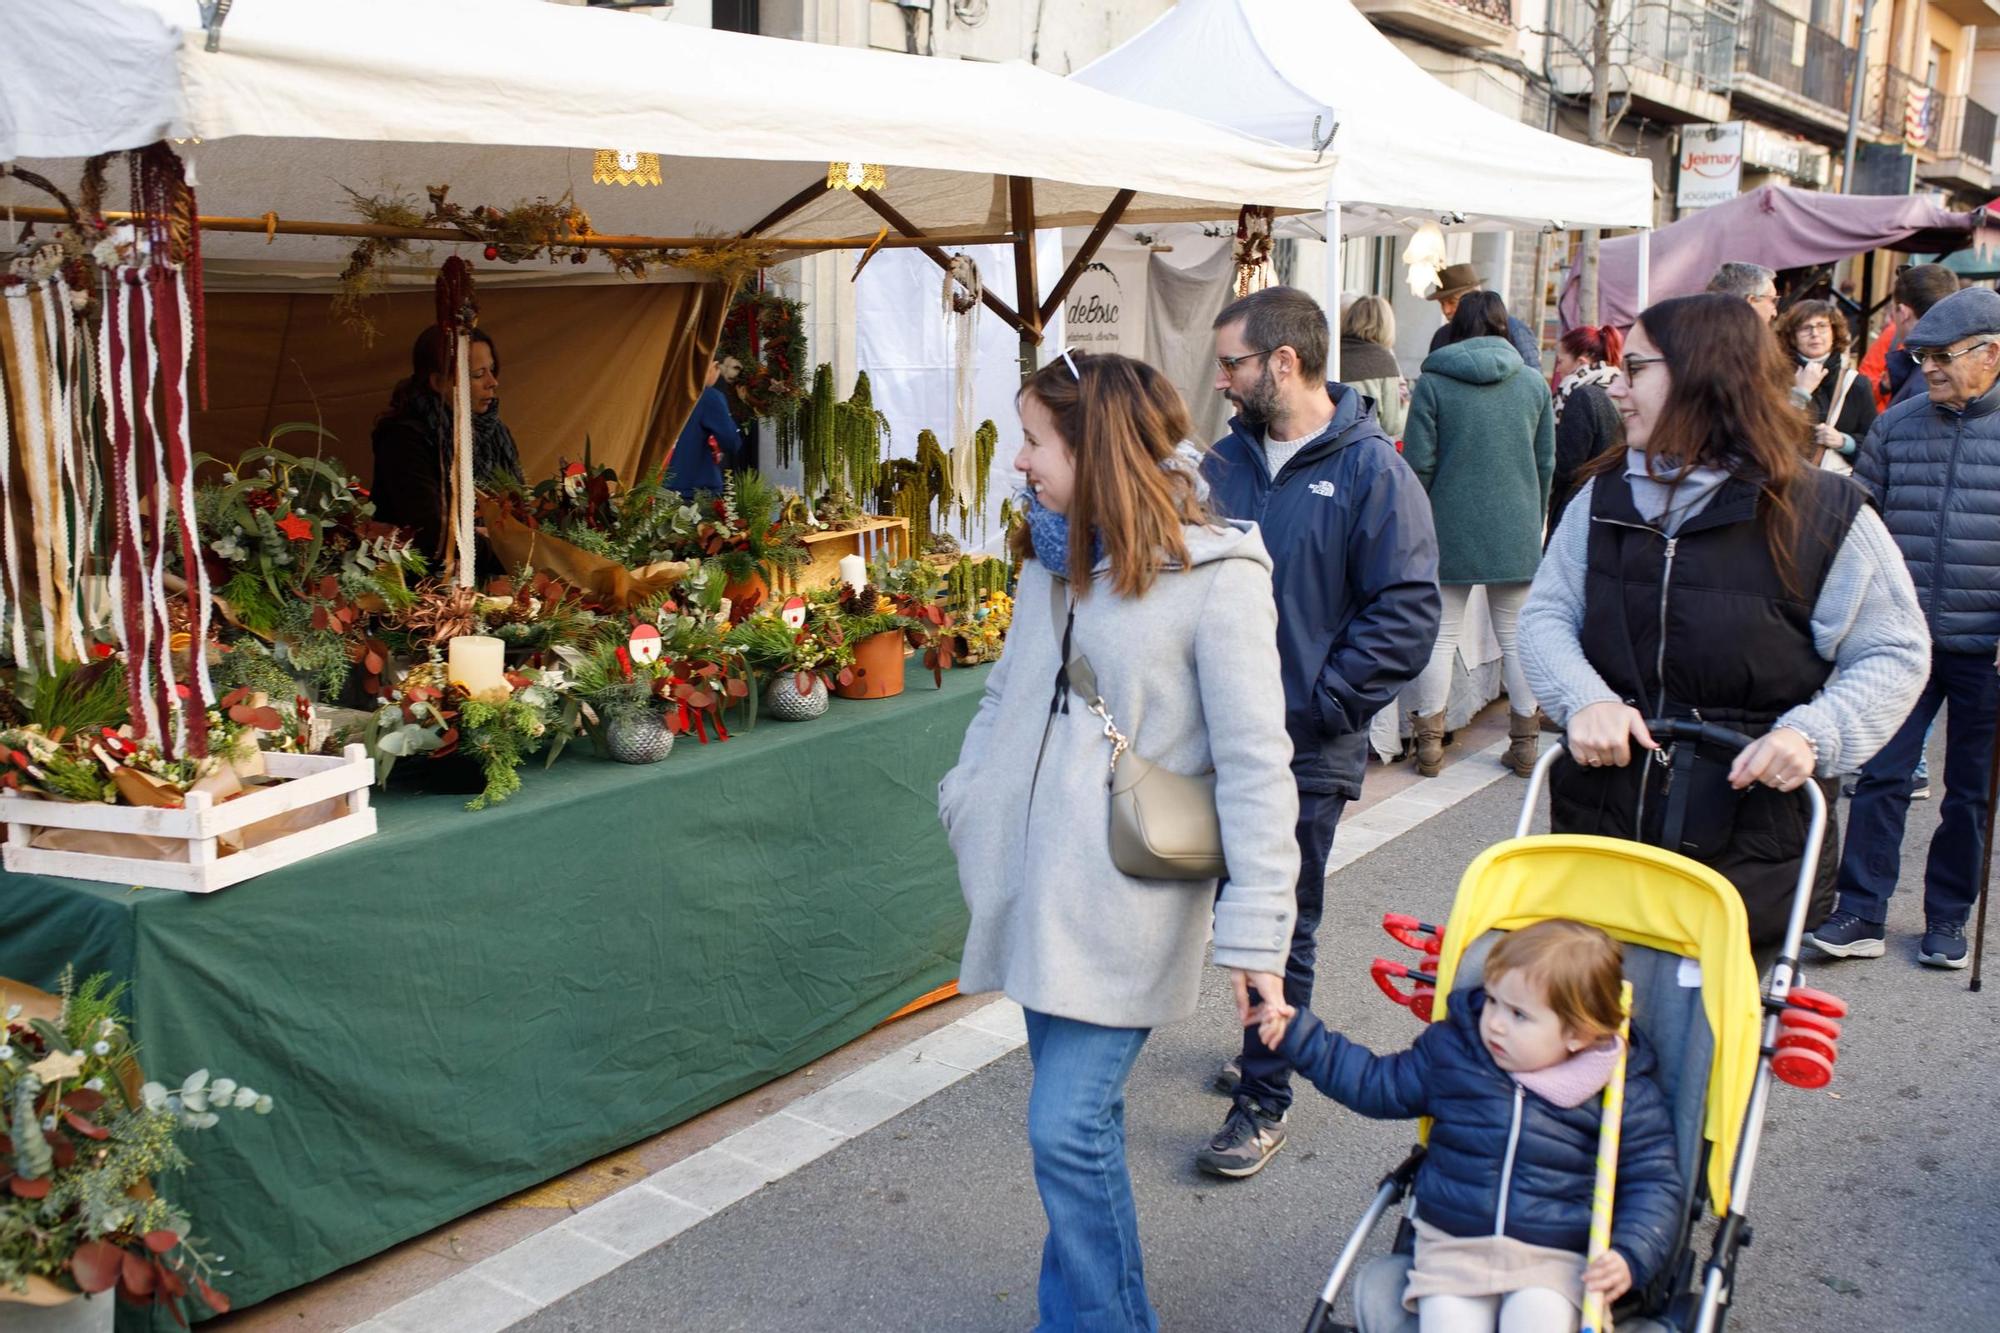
(1267, 1078)
(1873, 857)
(1093, 1280)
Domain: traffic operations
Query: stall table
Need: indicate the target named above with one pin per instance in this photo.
(468, 1004)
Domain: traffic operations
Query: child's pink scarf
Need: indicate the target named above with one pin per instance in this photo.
(1577, 1079)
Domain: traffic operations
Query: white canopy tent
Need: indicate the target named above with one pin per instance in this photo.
(1408, 149)
(509, 98)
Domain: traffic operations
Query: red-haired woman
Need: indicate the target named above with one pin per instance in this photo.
(1586, 421)
(1709, 570)
(1121, 566)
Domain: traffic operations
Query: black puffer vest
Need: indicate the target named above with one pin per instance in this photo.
(1701, 625)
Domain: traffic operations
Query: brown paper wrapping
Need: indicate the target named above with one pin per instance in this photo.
(603, 579)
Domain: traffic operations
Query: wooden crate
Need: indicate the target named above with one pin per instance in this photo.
(310, 779)
(825, 551)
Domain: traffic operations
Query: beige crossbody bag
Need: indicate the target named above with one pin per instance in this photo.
(1163, 824)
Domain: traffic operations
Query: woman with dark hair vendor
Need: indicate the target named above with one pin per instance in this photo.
(413, 438)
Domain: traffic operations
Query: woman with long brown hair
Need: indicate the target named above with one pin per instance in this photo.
(1122, 568)
(1709, 571)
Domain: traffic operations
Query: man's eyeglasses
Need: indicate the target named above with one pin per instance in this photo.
(1940, 358)
(1229, 363)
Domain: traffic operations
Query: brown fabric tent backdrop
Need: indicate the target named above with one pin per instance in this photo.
(621, 364)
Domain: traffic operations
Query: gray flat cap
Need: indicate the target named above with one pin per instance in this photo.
(1963, 314)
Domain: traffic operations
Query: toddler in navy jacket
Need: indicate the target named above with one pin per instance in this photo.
(1512, 1078)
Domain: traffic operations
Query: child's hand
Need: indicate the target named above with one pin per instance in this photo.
(1271, 1029)
(1608, 1273)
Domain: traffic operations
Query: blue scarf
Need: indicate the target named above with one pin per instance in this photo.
(1049, 531)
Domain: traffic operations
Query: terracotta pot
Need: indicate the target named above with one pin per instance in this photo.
(878, 661)
(746, 596)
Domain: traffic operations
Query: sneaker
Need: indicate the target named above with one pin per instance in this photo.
(1943, 946)
(1228, 1076)
(1247, 1140)
(1921, 791)
(1845, 935)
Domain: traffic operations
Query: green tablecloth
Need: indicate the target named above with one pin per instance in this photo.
(468, 1004)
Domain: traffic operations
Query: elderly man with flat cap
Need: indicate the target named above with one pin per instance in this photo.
(1932, 465)
(1454, 281)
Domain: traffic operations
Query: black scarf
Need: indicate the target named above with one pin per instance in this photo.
(493, 450)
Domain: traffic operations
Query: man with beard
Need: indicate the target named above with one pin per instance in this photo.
(1354, 566)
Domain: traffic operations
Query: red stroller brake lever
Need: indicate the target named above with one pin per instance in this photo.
(1418, 999)
(1408, 931)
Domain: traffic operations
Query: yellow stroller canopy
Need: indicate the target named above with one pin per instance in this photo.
(1645, 896)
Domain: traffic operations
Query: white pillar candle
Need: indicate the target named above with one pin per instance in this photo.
(479, 663)
(854, 572)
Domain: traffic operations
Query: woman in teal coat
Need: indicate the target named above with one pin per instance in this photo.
(1481, 439)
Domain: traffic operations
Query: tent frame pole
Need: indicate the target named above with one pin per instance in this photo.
(1645, 269)
(272, 225)
(912, 235)
(1334, 277)
(1027, 279)
(1085, 253)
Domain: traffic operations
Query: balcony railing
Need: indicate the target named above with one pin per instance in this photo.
(1500, 11)
(1898, 106)
(1688, 41)
(1796, 56)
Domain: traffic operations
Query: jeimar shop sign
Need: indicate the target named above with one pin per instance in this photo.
(1711, 165)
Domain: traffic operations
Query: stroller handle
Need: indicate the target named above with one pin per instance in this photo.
(1681, 729)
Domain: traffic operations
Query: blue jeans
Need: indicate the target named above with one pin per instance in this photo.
(1267, 1078)
(1093, 1280)
(1873, 856)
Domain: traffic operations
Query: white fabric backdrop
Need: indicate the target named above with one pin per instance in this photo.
(901, 340)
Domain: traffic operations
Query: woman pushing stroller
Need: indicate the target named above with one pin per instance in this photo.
(1512, 1079)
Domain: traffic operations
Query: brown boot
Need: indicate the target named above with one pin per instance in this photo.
(1429, 735)
(1524, 730)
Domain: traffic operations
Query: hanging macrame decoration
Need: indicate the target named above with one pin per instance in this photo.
(146, 351)
(961, 314)
(458, 315)
(1253, 249)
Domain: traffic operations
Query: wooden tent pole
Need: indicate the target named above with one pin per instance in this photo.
(1027, 281)
(1085, 253)
(929, 245)
(276, 226)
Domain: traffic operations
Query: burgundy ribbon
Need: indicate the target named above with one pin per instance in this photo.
(180, 464)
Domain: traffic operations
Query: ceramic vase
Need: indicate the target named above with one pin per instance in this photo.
(783, 700)
(878, 661)
(638, 738)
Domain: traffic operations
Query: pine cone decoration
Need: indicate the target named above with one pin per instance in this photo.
(867, 602)
(13, 713)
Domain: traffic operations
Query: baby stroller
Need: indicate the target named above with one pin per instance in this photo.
(1695, 996)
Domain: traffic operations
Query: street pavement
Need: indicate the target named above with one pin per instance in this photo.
(1874, 1203)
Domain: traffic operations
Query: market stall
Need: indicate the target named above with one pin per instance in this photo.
(448, 1006)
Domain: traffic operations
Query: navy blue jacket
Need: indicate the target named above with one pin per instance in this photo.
(693, 467)
(1354, 567)
(1935, 475)
(1465, 1187)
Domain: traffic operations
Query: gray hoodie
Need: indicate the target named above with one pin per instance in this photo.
(1190, 672)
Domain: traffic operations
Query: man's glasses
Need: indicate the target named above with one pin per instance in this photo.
(1229, 363)
(1940, 358)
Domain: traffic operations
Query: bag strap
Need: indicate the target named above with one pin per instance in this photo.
(1847, 378)
(1076, 675)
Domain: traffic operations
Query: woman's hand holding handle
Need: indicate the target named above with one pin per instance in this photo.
(1602, 734)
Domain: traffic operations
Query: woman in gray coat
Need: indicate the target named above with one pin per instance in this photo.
(1122, 566)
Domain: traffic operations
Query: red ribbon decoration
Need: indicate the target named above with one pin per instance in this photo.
(125, 542)
(167, 324)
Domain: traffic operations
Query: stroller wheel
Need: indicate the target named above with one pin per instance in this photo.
(1807, 1041)
(1801, 1067)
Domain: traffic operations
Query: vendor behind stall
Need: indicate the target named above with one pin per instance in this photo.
(413, 438)
(710, 442)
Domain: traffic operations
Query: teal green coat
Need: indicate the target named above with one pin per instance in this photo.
(1481, 437)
